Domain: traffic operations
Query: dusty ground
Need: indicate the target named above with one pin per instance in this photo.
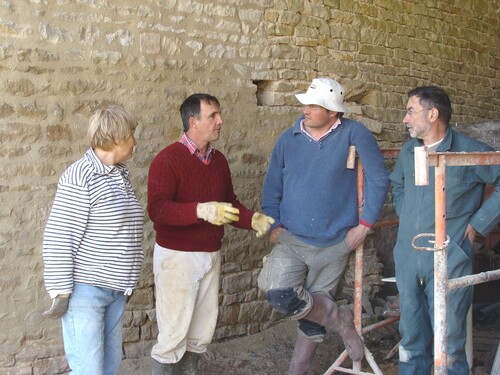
(269, 352)
(265, 353)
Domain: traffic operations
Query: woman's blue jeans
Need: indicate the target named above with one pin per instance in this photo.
(92, 330)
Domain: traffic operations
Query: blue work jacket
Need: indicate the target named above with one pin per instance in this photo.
(465, 186)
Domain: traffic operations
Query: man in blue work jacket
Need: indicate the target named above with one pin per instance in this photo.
(428, 113)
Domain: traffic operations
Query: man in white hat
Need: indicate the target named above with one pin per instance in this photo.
(312, 196)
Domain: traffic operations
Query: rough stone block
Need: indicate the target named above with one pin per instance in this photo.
(150, 43)
(59, 132)
(51, 366)
(228, 315)
(138, 349)
(131, 334)
(149, 331)
(32, 350)
(141, 297)
(21, 87)
(236, 282)
(257, 311)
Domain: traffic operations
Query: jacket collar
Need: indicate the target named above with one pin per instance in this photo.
(444, 146)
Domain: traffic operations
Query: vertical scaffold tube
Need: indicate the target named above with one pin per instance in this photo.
(440, 273)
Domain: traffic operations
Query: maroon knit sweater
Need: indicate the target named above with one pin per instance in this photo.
(177, 182)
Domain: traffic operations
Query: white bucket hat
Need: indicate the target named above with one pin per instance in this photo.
(325, 92)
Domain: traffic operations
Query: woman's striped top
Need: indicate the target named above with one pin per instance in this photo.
(94, 231)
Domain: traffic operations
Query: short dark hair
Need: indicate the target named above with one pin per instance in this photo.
(191, 107)
(434, 97)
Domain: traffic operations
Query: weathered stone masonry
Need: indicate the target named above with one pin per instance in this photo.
(60, 59)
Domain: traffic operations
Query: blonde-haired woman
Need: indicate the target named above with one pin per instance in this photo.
(92, 245)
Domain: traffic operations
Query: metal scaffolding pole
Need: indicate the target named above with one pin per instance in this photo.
(358, 279)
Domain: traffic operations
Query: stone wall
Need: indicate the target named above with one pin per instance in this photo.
(60, 59)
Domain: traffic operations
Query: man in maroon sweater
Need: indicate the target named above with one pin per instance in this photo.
(190, 198)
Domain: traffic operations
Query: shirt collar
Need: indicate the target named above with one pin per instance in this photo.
(101, 168)
(332, 128)
(193, 149)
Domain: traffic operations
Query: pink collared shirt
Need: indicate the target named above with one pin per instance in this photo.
(332, 128)
(194, 150)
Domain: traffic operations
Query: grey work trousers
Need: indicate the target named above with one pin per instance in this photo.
(293, 264)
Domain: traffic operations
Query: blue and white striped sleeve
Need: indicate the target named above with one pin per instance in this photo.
(65, 228)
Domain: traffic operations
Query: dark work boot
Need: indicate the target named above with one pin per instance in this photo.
(338, 319)
(163, 368)
(188, 365)
(302, 357)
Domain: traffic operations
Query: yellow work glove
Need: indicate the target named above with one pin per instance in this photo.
(217, 213)
(58, 308)
(261, 223)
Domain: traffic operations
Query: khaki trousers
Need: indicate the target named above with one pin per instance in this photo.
(187, 292)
